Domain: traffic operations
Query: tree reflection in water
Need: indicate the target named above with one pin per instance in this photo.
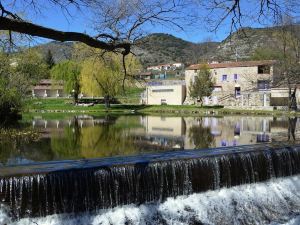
(68, 144)
(14, 142)
(292, 128)
(201, 136)
(107, 139)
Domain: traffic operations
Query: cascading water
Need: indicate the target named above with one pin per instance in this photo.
(140, 180)
(272, 203)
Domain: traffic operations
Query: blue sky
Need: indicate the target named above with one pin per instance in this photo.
(54, 17)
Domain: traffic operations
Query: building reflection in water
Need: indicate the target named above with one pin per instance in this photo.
(166, 132)
(93, 137)
(107, 136)
(206, 132)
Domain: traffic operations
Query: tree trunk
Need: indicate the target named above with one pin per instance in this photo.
(106, 101)
(292, 99)
(75, 97)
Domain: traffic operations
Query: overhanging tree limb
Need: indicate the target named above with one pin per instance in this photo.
(24, 27)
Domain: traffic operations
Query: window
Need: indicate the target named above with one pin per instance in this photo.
(235, 76)
(163, 90)
(224, 77)
(263, 69)
(237, 91)
(162, 129)
(217, 89)
(263, 84)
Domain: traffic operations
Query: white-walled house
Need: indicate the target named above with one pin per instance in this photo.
(169, 92)
(165, 67)
(237, 83)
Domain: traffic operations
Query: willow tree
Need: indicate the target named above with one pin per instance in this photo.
(69, 72)
(101, 79)
(104, 76)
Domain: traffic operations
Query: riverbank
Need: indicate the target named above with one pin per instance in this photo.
(63, 106)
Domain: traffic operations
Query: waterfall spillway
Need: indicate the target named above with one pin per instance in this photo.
(86, 185)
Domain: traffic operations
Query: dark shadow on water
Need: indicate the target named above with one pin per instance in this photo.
(292, 128)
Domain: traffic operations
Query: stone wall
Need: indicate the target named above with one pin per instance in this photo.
(248, 99)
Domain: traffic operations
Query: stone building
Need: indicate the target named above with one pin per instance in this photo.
(246, 83)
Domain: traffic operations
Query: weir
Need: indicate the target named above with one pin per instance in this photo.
(41, 189)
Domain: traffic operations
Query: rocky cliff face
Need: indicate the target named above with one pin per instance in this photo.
(243, 43)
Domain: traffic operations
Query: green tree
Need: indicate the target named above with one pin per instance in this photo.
(202, 85)
(105, 76)
(30, 66)
(201, 136)
(17, 74)
(101, 78)
(10, 96)
(69, 72)
(49, 60)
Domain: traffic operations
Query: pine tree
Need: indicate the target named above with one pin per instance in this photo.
(49, 60)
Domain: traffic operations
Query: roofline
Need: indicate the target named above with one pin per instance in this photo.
(232, 64)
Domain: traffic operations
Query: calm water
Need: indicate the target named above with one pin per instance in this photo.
(239, 187)
(78, 137)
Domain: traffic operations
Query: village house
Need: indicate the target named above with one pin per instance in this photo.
(165, 67)
(245, 83)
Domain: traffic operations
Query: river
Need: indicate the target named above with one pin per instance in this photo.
(141, 169)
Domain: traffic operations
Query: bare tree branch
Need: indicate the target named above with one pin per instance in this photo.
(40, 31)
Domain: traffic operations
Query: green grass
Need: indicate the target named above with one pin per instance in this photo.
(66, 106)
(131, 96)
(63, 106)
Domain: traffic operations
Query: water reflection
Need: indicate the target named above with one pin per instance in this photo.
(201, 136)
(90, 137)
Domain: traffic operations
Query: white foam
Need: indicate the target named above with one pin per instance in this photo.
(274, 202)
(294, 221)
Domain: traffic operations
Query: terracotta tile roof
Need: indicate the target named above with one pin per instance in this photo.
(233, 64)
